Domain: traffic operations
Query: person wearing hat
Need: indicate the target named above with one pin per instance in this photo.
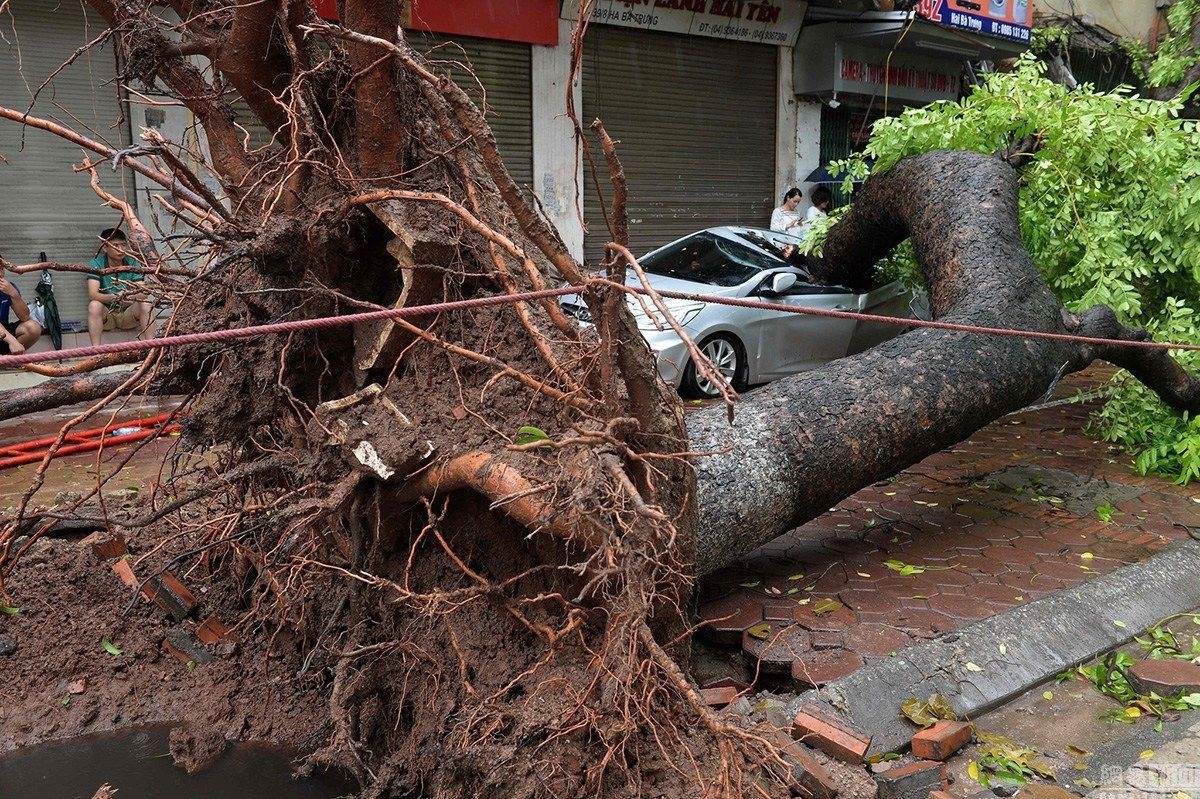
(115, 301)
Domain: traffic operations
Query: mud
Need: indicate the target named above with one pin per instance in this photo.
(61, 681)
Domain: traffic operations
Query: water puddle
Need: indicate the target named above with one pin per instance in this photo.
(136, 763)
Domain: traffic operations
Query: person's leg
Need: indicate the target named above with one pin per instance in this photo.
(7, 346)
(28, 332)
(96, 311)
(145, 318)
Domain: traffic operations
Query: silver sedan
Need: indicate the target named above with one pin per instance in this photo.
(751, 345)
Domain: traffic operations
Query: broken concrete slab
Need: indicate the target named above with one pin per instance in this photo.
(983, 665)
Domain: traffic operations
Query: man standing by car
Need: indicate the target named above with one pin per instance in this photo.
(113, 301)
(15, 337)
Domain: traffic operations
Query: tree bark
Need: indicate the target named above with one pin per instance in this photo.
(800, 445)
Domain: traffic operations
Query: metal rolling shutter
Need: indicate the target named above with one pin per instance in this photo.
(694, 120)
(43, 204)
(505, 72)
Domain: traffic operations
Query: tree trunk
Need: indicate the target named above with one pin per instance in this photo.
(485, 522)
(800, 445)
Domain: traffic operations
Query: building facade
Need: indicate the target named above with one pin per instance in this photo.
(717, 106)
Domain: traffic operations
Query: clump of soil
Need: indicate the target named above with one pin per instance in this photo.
(194, 746)
(68, 604)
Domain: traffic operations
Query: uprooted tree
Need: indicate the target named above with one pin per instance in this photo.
(497, 615)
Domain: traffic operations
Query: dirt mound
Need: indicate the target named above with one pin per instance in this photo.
(62, 680)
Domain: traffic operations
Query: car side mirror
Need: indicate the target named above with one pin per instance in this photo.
(782, 281)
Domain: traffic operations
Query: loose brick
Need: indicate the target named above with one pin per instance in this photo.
(212, 630)
(941, 740)
(718, 697)
(914, 780)
(833, 736)
(811, 779)
(105, 545)
(125, 572)
(168, 593)
(186, 647)
(1164, 677)
(810, 775)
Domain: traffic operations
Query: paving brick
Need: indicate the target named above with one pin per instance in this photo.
(817, 728)
(775, 653)
(827, 639)
(912, 781)
(724, 619)
(1164, 677)
(811, 779)
(995, 593)
(961, 607)
(941, 740)
(820, 666)
(835, 621)
(876, 639)
(923, 620)
(869, 600)
(810, 775)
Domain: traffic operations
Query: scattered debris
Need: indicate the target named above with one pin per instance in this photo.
(819, 729)
(914, 780)
(941, 740)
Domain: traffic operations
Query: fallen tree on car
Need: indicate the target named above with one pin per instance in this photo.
(481, 528)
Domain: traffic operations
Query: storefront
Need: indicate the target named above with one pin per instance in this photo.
(857, 70)
(689, 90)
(45, 206)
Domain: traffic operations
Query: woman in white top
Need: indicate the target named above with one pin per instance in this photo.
(785, 218)
(822, 198)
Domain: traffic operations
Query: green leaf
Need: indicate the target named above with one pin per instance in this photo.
(9, 610)
(110, 647)
(530, 435)
(826, 606)
(761, 631)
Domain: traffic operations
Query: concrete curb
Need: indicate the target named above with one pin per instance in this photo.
(1039, 640)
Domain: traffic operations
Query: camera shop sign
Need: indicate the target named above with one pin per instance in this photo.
(763, 21)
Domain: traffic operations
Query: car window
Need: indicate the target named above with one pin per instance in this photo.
(711, 259)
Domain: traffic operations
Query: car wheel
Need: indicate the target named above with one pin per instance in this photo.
(728, 355)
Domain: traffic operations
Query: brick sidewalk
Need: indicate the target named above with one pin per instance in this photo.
(1006, 517)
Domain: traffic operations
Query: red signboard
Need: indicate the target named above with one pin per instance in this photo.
(531, 21)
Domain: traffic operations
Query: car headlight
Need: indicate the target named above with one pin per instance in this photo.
(577, 310)
(654, 320)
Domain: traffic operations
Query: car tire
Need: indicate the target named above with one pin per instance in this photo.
(728, 355)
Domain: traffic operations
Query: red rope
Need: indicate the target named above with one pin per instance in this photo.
(505, 299)
(279, 327)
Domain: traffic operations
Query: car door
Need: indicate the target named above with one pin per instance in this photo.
(790, 342)
(890, 299)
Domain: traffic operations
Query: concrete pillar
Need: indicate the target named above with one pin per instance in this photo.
(808, 143)
(557, 168)
(786, 139)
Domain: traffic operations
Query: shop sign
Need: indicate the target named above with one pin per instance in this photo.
(763, 21)
(530, 21)
(1007, 19)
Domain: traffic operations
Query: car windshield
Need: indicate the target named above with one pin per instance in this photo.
(718, 261)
